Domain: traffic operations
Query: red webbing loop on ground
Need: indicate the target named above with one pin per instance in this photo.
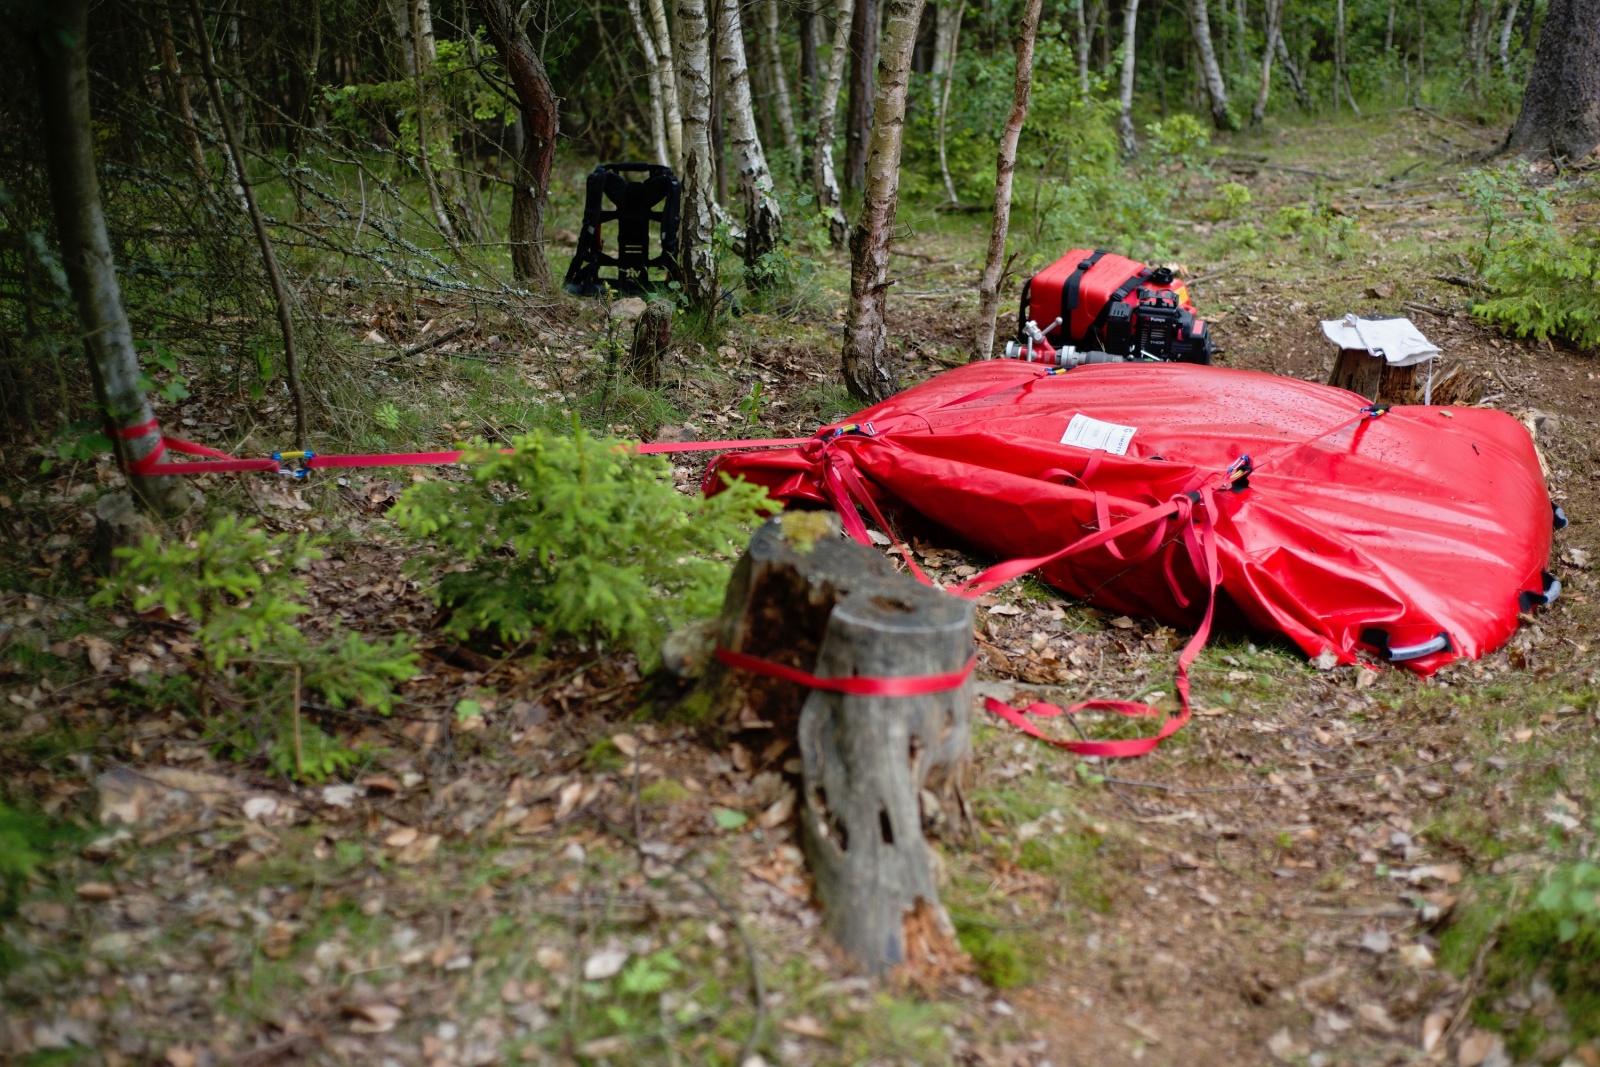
(1201, 540)
(657, 447)
(914, 685)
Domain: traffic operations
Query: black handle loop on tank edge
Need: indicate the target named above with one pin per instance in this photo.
(1379, 639)
(1530, 599)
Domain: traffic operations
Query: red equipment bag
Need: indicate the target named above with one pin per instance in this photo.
(1094, 300)
(1419, 533)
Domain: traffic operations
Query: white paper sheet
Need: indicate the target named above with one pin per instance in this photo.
(1084, 432)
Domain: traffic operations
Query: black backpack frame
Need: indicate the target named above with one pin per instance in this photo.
(637, 204)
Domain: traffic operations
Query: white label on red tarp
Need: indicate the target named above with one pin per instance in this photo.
(1085, 432)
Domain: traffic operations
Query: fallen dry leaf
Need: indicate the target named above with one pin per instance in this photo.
(421, 848)
(402, 837)
(604, 1046)
(99, 651)
(626, 744)
(1475, 1048)
(1433, 1027)
(606, 963)
(97, 891)
(374, 1018)
(805, 1026)
(180, 1056)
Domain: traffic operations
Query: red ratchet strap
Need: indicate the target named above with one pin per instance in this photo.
(1200, 538)
(151, 464)
(865, 686)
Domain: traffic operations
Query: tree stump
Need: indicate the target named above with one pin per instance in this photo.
(873, 770)
(652, 336)
(1360, 371)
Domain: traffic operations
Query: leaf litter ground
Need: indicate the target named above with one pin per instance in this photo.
(1309, 874)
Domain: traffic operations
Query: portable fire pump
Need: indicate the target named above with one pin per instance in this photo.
(1106, 308)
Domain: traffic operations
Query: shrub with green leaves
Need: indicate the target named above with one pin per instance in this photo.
(580, 536)
(240, 591)
(1542, 281)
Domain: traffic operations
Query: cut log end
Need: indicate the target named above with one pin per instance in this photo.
(876, 771)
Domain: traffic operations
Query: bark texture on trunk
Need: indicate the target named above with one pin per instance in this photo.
(179, 91)
(669, 81)
(697, 257)
(863, 63)
(780, 84)
(1505, 37)
(269, 258)
(763, 221)
(1560, 114)
(1216, 87)
(1301, 95)
(1130, 26)
(1005, 167)
(540, 124)
(867, 371)
(59, 46)
(658, 113)
(1274, 14)
(824, 181)
(944, 99)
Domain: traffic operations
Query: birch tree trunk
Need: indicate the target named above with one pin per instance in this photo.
(1274, 13)
(1341, 65)
(1505, 39)
(541, 122)
(658, 115)
(1216, 87)
(867, 372)
(1388, 29)
(698, 258)
(944, 100)
(763, 222)
(1005, 167)
(823, 179)
(1301, 95)
(780, 85)
(414, 54)
(59, 47)
(673, 113)
(1130, 25)
(864, 58)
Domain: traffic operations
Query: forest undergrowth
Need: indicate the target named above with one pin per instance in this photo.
(220, 848)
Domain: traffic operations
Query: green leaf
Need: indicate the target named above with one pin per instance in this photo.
(729, 819)
(468, 709)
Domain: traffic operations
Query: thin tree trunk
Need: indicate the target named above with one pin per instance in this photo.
(944, 100)
(867, 372)
(540, 125)
(422, 64)
(59, 47)
(269, 258)
(858, 109)
(1560, 114)
(1274, 13)
(698, 257)
(1130, 25)
(1388, 31)
(763, 221)
(1216, 88)
(824, 181)
(1242, 40)
(669, 82)
(658, 116)
(780, 85)
(1083, 49)
(810, 86)
(1505, 38)
(1301, 95)
(1005, 167)
(179, 92)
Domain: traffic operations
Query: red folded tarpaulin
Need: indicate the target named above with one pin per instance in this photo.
(1416, 528)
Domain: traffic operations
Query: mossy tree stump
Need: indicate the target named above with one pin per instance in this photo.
(874, 770)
